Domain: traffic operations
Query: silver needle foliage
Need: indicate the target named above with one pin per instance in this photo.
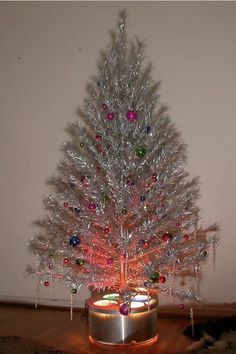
(123, 214)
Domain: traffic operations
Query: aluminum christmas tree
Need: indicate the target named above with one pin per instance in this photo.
(124, 213)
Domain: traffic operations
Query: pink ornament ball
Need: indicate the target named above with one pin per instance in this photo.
(110, 115)
(124, 309)
(181, 306)
(132, 116)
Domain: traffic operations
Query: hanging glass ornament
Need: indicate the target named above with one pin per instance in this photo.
(140, 151)
(92, 207)
(166, 237)
(110, 115)
(104, 106)
(77, 210)
(74, 241)
(154, 177)
(107, 229)
(154, 277)
(132, 115)
(98, 137)
(124, 309)
(79, 261)
(110, 260)
(162, 279)
(148, 130)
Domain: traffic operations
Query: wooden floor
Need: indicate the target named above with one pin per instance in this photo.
(54, 327)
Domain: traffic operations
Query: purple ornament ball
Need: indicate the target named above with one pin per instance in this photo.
(132, 116)
(124, 309)
(109, 261)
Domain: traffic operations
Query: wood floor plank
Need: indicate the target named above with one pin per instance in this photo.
(54, 328)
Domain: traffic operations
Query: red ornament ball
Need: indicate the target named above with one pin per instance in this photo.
(65, 205)
(84, 180)
(154, 177)
(46, 283)
(92, 207)
(107, 229)
(104, 106)
(166, 237)
(110, 261)
(66, 261)
(162, 279)
(144, 243)
(98, 137)
(181, 306)
(130, 182)
(110, 115)
(132, 115)
(186, 237)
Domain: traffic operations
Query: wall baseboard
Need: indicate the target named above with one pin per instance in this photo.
(41, 302)
(211, 310)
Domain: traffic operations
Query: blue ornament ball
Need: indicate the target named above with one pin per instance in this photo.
(148, 129)
(74, 241)
(142, 198)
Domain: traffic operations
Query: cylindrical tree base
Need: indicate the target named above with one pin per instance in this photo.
(107, 326)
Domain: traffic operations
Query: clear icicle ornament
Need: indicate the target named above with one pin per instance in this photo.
(71, 306)
(192, 320)
(123, 214)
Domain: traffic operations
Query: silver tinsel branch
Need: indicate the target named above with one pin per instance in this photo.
(123, 214)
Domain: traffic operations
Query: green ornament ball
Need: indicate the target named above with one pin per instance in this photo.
(81, 144)
(154, 276)
(141, 151)
(79, 261)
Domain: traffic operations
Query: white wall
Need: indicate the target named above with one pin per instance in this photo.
(48, 50)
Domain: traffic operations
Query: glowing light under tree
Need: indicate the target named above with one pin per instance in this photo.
(124, 213)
